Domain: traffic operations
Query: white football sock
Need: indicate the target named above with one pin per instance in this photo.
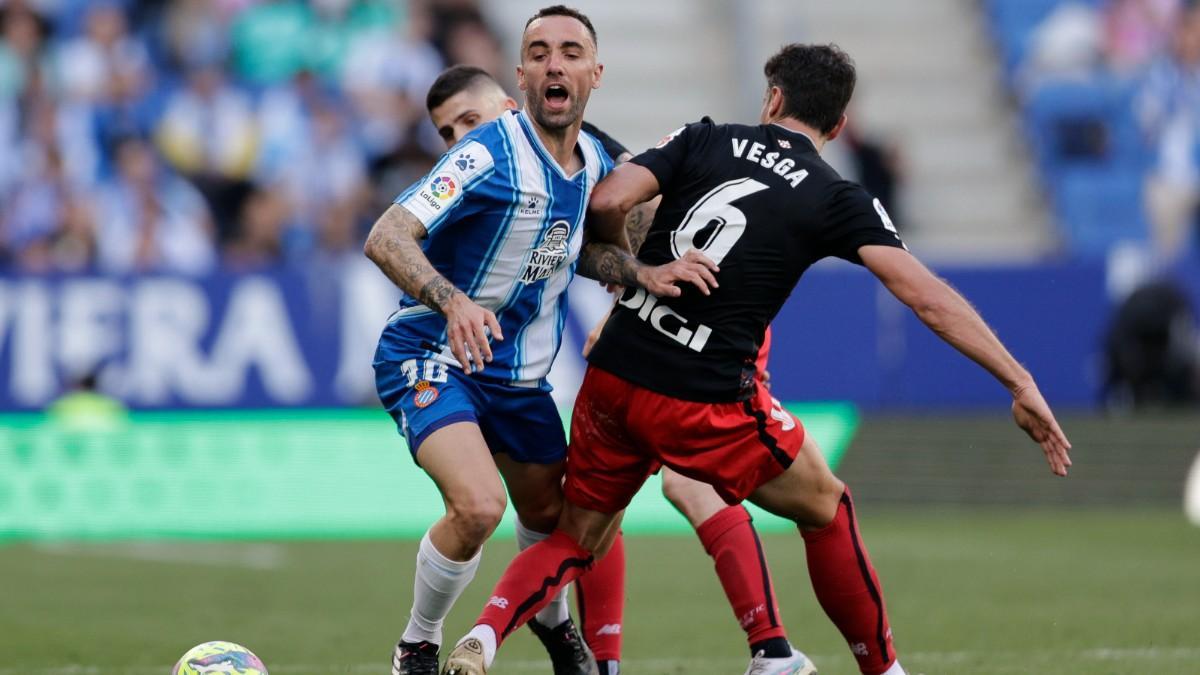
(487, 636)
(557, 611)
(438, 583)
(895, 669)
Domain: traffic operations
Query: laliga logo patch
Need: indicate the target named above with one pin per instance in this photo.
(443, 187)
(426, 394)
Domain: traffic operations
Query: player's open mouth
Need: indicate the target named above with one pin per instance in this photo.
(557, 97)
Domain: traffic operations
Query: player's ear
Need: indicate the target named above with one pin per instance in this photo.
(775, 103)
(596, 73)
(520, 78)
(837, 130)
(510, 103)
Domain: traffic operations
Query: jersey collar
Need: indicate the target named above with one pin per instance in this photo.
(536, 142)
(798, 133)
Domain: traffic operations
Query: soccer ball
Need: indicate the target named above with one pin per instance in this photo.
(219, 657)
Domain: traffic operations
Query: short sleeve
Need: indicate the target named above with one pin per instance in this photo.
(853, 218)
(667, 159)
(448, 185)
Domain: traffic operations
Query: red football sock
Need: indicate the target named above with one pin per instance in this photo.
(532, 579)
(730, 539)
(600, 597)
(848, 590)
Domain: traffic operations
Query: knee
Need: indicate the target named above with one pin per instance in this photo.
(600, 547)
(592, 531)
(542, 516)
(695, 500)
(820, 507)
(475, 517)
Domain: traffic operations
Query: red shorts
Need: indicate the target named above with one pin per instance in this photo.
(621, 433)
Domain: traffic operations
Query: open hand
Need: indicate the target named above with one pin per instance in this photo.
(694, 268)
(467, 327)
(1033, 414)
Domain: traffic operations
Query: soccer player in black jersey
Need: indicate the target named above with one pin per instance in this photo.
(671, 378)
(461, 99)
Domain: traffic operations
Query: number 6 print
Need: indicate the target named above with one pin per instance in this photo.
(716, 218)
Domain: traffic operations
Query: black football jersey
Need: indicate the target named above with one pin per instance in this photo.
(760, 202)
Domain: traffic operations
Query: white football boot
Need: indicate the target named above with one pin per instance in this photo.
(466, 659)
(796, 664)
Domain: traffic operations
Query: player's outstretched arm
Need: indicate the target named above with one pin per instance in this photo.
(606, 254)
(394, 245)
(949, 315)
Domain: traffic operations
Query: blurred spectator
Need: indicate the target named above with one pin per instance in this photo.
(1066, 45)
(106, 75)
(22, 56)
(1150, 350)
(271, 40)
(70, 128)
(209, 133)
(84, 408)
(314, 125)
(46, 227)
(258, 241)
(472, 43)
(876, 164)
(1135, 32)
(340, 24)
(386, 75)
(105, 63)
(150, 219)
(10, 166)
(310, 154)
(195, 34)
(1168, 108)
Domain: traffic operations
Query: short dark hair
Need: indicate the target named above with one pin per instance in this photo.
(563, 10)
(817, 82)
(453, 80)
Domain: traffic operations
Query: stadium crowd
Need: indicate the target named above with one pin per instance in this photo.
(1111, 94)
(1110, 91)
(142, 135)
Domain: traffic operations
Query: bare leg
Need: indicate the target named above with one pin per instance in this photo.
(458, 461)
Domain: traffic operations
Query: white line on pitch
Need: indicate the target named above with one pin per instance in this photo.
(249, 556)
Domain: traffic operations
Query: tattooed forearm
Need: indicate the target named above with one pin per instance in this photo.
(437, 292)
(637, 223)
(394, 245)
(608, 263)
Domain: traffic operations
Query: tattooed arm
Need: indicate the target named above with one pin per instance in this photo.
(394, 245)
(637, 223)
(606, 254)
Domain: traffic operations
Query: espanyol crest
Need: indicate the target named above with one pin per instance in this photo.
(547, 258)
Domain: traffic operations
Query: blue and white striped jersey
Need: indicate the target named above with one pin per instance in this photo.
(505, 226)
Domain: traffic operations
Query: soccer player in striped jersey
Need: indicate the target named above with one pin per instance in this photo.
(484, 247)
(464, 98)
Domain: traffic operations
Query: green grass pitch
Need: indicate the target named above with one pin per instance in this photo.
(970, 592)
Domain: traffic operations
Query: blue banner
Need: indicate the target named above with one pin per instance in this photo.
(305, 337)
(278, 338)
